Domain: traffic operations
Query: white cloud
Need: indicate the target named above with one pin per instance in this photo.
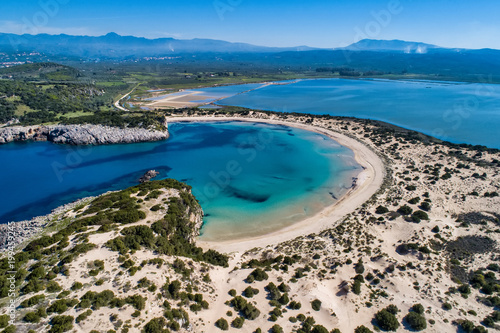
(18, 27)
(163, 34)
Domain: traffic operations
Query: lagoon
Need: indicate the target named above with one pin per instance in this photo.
(452, 111)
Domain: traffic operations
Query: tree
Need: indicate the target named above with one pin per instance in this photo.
(362, 329)
(467, 326)
(259, 275)
(156, 325)
(418, 308)
(238, 322)
(316, 305)
(359, 268)
(276, 329)
(356, 287)
(386, 320)
(381, 210)
(416, 321)
(319, 329)
(222, 324)
(61, 324)
(405, 210)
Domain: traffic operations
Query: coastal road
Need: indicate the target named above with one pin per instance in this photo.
(117, 103)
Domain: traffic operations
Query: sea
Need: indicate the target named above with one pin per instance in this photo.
(250, 178)
(452, 111)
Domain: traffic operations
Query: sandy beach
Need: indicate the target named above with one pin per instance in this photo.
(368, 182)
(179, 100)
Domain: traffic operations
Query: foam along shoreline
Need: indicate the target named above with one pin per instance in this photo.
(367, 183)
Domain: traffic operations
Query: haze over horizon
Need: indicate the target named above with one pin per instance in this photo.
(446, 23)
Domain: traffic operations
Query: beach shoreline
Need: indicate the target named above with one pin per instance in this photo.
(368, 182)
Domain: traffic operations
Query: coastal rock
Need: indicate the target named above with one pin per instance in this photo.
(80, 134)
(20, 133)
(148, 176)
(99, 135)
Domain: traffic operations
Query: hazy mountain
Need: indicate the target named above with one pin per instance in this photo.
(391, 45)
(115, 46)
(376, 56)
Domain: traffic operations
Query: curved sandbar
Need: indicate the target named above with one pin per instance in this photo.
(368, 182)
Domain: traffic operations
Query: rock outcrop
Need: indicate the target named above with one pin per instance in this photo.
(148, 176)
(80, 134)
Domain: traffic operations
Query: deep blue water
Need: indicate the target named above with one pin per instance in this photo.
(278, 174)
(456, 112)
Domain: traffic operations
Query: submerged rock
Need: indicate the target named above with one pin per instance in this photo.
(148, 176)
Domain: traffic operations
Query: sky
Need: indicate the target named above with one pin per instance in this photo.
(324, 24)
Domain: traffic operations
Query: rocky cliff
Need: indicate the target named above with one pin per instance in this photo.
(80, 134)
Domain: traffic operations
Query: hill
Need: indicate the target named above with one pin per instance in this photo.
(42, 71)
(390, 45)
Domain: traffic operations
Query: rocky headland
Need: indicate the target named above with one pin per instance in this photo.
(80, 134)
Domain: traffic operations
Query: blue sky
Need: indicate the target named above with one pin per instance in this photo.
(327, 24)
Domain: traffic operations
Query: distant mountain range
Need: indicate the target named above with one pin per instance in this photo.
(391, 46)
(113, 45)
(368, 55)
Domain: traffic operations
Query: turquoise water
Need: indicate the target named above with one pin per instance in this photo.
(250, 178)
(456, 112)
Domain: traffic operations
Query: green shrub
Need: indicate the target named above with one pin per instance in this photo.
(426, 206)
(359, 268)
(238, 322)
(276, 329)
(31, 317)
(467, 326)
(419, 215)
(319, 329)
(418, 308)
(316, 305)
(10, 329)
(83, 316)
(386, 320)
(356, 287)
(32, 301)
(362, 329)
(61, 324)
(222, 324)
(258, 275)
(53, 287)
(137, 301)
(4, 321)
(156, 325)
(250, 292)
(58, 306)
(156, 208)
(381, 210)
(294, 305)
(405, 210)
(416, 321)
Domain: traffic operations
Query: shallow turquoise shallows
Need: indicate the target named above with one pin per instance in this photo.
(249, 178)
(456, 112)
